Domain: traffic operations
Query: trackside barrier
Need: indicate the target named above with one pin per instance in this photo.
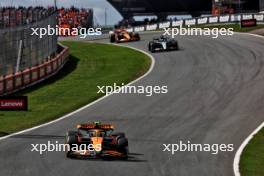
(1, 85)
(224, 19)
(190, 22)
(202, 20)
(139, 29)
(30, 76)
(177, 23)
(48, 68)
(151, 27)
(26, 76)
(42, 71)
(213, 20)
(9, 83)
(34, 74)
(234, 18)
(164, 25)
(18, 80)
(247, 17)
(259, 17)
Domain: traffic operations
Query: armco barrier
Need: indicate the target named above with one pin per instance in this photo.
(30, 76)
(26, 77)
(1, 85)
(9, 83)
(42, 71)
(48, 68)
(234, 18)
(34, 74)
(18, 80)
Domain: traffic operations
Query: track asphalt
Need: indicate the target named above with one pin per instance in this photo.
(216, 95)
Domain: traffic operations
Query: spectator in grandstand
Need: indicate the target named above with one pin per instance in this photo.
(75, 18)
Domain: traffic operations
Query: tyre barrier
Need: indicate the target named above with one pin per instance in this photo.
(17, 81)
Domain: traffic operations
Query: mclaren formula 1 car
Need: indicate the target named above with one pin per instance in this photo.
(121, 35)
(162, 43)
(96, 140)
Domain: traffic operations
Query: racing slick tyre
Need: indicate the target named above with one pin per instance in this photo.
(112, 38)
(71, 138)
(122, 142)
(174, 45)
(150, 47)
(136, 35)
(122, 145)
(125, 152)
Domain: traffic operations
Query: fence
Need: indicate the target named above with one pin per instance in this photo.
(30, 76)
(20, 50)
(13, 17)
(198, 21)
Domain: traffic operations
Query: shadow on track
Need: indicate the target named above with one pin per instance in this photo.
(2, 133)
(37, 136)
(131, 158)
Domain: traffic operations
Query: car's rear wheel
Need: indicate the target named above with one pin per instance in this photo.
(125, 153)
(136, 35)
(112, 38)
(122, 146)
(71, 139)
(150, 47)
(174, 45)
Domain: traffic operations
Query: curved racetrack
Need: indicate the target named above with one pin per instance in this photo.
(216, 95)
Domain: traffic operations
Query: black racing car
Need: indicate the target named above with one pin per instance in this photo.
(162, 43)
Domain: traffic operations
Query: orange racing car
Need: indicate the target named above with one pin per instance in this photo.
(122, 35)
(96, 140)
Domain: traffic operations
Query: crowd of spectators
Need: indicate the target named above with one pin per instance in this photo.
(67, 18)
(12, 17)
(75, 18)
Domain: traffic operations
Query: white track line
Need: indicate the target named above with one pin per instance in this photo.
(90, 104)
(246, 141)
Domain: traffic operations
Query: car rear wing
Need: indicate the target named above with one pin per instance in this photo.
(95, 126)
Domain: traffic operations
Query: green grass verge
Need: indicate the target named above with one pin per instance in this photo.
(90, 65)
(252, 158)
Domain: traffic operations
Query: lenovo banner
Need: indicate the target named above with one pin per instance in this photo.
(249, 23)
(8, 103)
